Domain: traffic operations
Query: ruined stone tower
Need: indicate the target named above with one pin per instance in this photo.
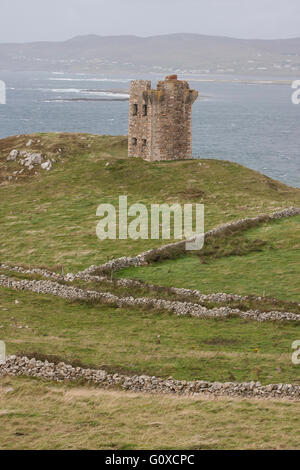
(160, 121)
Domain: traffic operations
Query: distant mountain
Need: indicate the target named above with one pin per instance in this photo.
(189, 53)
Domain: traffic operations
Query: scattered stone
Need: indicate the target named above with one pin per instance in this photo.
(33, 159)
(13, 155)
(47, 165)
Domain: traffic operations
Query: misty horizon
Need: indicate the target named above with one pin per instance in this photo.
(138, 36)
(60, 20)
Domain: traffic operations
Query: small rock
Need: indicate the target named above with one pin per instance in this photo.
(47, 165)
(13, 155)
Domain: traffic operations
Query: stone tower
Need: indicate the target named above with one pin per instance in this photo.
(160, 121)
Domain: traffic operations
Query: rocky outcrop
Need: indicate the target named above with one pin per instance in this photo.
(29, 160)
(13, 155)
(16, 366)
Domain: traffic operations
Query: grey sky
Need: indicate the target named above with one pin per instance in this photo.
(34, 20)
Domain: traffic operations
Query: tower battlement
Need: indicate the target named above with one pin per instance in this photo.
(160, 120)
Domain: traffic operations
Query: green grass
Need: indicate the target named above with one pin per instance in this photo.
(50, 218)
(263, 261)
(138, 341)
(74, 417)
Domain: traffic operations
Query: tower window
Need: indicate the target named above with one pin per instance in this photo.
(135, 110)
(144, 141)
(145, 110)
(134, 141)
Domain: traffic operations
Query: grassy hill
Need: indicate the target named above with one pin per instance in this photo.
(48, 218)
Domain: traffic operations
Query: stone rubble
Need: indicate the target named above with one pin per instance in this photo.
(13, 155)
(61, 372)
(30, 160)
(46, 165)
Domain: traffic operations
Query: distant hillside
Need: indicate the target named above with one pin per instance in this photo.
(189, 53)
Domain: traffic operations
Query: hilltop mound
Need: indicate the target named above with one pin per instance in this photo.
(25, 155)
(49, 217)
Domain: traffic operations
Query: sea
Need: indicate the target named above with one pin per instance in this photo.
(248, 120)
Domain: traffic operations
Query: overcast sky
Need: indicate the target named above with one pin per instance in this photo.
(55, 20)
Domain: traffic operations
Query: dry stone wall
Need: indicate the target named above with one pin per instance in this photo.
(148, 256)
(176, 307)
(61, 372)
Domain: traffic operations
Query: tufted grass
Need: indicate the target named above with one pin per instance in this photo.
(75, 417)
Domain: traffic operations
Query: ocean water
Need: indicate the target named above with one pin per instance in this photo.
(254, 124)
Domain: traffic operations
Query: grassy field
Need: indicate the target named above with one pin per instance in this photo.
(263, 261)
(49, 219)
(73, 417)
(136, 341)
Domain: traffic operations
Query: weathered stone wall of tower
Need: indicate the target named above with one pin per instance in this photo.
(165, 132)
(139, 119)
(172, 125)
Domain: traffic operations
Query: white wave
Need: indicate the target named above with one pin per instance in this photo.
(66, 90)
(106, 93)
(117, 80)
(109, 94)
(56, 101)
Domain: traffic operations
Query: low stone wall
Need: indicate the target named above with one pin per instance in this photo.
(179, 308)
(90, 274)
(148, 256)
(40, 272)
(218, 297)
(22, 366)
